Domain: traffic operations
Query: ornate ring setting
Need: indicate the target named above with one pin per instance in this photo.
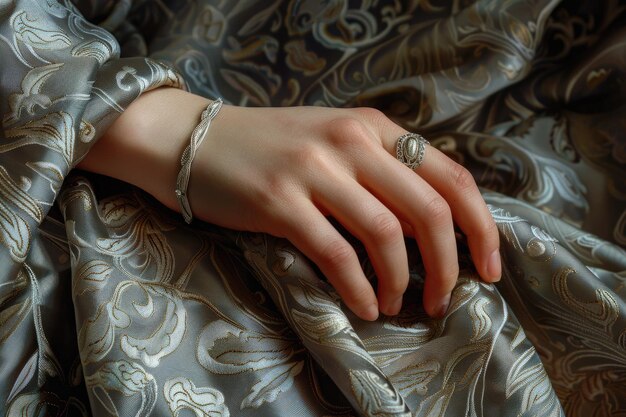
(410, 149)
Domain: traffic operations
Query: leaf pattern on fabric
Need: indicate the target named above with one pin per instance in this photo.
(98, 334)
(19, 197)
(604, 311)
(277, 380)
(32, 92)
(94, 49)
(533, 380)
(416, 377)
(51, 172)
(26, 374)
(129, 379)
(138, 233)
(182, 394)
(14, 233)
(55, 131)
(374, 397)
(91, 276)
(30, 31)
(322, 321)
(226, 349)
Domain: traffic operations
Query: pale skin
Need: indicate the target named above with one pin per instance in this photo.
(283, 170)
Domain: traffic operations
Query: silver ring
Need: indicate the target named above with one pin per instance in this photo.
(410, 149)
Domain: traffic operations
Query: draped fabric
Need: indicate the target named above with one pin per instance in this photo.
(111, 305)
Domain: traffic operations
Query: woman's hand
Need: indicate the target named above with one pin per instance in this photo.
(282, 170)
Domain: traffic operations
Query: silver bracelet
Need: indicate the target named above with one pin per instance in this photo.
(197, 136)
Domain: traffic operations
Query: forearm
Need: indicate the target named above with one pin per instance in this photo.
(144, 145)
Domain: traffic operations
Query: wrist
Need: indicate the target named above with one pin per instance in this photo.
(145, 144)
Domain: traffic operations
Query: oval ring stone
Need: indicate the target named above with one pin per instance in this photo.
(410, 147)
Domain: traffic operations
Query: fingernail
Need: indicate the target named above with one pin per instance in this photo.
(443, 307)
(370, 313)
(494, 268)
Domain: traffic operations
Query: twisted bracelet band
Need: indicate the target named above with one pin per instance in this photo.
(197, 136)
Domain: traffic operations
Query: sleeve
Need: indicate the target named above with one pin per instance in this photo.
(62, 83)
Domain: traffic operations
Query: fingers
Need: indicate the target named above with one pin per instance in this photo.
(417, 203)
(373, 224)
(318, 239)
(457, 186)
(384, 200)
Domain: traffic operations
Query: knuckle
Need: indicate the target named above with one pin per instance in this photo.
(276, 187)
(272, 192)
(347, 133)
(370, 113)
(484, 229)
(309, 157)
(259, 193)
(385, 228)
(461, 177)
(337, 253)
(490, 229)
(359, 297)
(444, 277)
(397, 286)
(437, 211)
(448, 281)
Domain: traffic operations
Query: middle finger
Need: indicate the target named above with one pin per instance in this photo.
(376, 226)
(416, 202)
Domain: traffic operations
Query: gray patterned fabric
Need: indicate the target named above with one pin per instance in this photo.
(110, 305)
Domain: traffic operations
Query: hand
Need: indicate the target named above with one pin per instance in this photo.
(282, 170)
